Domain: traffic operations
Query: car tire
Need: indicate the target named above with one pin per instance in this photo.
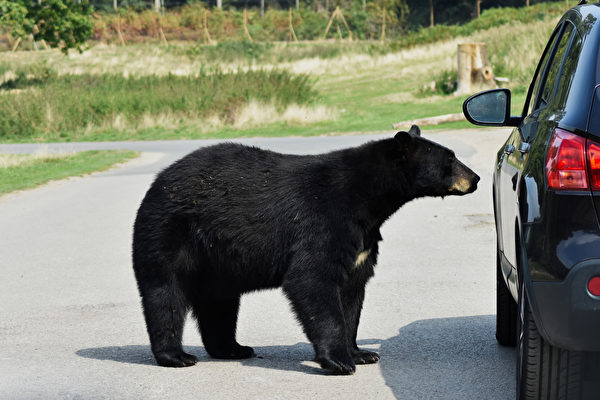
(506, 310)
(545, 371)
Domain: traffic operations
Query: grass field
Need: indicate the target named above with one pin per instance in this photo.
(24, 171)
(154, 91)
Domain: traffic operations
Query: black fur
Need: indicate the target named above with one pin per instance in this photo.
(230, 219)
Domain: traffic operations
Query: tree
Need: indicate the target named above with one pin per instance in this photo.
(13, 17)
(431, 13)
(65, 24)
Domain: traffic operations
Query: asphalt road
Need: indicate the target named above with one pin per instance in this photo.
(71, 324)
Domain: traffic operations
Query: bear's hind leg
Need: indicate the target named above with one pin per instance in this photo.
(165, 310)
(217, 321)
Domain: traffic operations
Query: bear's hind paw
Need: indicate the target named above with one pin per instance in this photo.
(237, 352)
(175, 359)
(337, 366)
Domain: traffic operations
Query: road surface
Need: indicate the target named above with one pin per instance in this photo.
(71, 325)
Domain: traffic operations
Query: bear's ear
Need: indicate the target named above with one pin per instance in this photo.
(403, 137)
(415, 130)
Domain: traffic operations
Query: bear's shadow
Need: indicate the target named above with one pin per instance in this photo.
(288, 358)
(441, 358)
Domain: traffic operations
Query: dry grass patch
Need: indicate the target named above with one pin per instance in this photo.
(41, 155)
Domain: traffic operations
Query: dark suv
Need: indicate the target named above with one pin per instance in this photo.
(546, 192)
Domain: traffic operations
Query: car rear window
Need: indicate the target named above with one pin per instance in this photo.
(540, 74)
(554, 72)
(567, 72)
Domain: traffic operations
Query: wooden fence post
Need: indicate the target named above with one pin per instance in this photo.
(292, 32)
(246, 26)
(337, 13)
(14, 48)
(119, 34)
(207, 37)
(383, 25)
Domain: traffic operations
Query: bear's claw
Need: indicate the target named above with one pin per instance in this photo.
(176, 359)
(365, 357)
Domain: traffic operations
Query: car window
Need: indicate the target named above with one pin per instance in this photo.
(567, 71)
(556, 65)
(540, 73)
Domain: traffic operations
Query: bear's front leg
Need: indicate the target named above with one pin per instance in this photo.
(316, 301)
(353, 294)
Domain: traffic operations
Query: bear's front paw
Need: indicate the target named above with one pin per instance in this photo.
(365, 356)
(175, 359)
(337, 364)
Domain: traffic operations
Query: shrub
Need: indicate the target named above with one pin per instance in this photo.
(51, 103)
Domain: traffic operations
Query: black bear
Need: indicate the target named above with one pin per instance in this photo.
(230, 219)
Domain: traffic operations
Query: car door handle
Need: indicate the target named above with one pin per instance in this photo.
(509, 149)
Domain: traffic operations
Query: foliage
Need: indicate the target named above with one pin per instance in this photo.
(58, 103)
(13, 17)
(489, 18)
(444, 83)
(449, 12)
(187, 23)
(60, 23)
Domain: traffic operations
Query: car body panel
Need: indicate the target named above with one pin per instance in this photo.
(549, 240)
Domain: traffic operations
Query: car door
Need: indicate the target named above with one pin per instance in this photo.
(536, 124)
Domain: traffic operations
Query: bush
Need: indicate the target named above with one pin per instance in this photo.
(444, 83)
(50, 103)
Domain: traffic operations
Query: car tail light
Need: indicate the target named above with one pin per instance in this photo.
(593, 150)
(565, 162)
(594, 286)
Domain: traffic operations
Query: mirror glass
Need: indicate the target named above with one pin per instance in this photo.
(488, 108)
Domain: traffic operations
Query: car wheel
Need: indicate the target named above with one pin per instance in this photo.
(544, 371)
(506, 310)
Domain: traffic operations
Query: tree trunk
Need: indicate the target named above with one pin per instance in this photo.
(219, 3)
(115, 4)
(479, 8)
(527, 3)
(262, 8)
(297, 4)
(157, 6)
(431, 13)
(474, 69)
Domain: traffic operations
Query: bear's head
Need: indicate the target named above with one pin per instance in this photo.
(434, 169)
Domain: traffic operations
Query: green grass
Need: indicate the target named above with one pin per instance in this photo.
(363, 86)
(54, 106)
(28, 172)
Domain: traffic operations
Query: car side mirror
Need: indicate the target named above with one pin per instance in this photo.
(490, 108)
